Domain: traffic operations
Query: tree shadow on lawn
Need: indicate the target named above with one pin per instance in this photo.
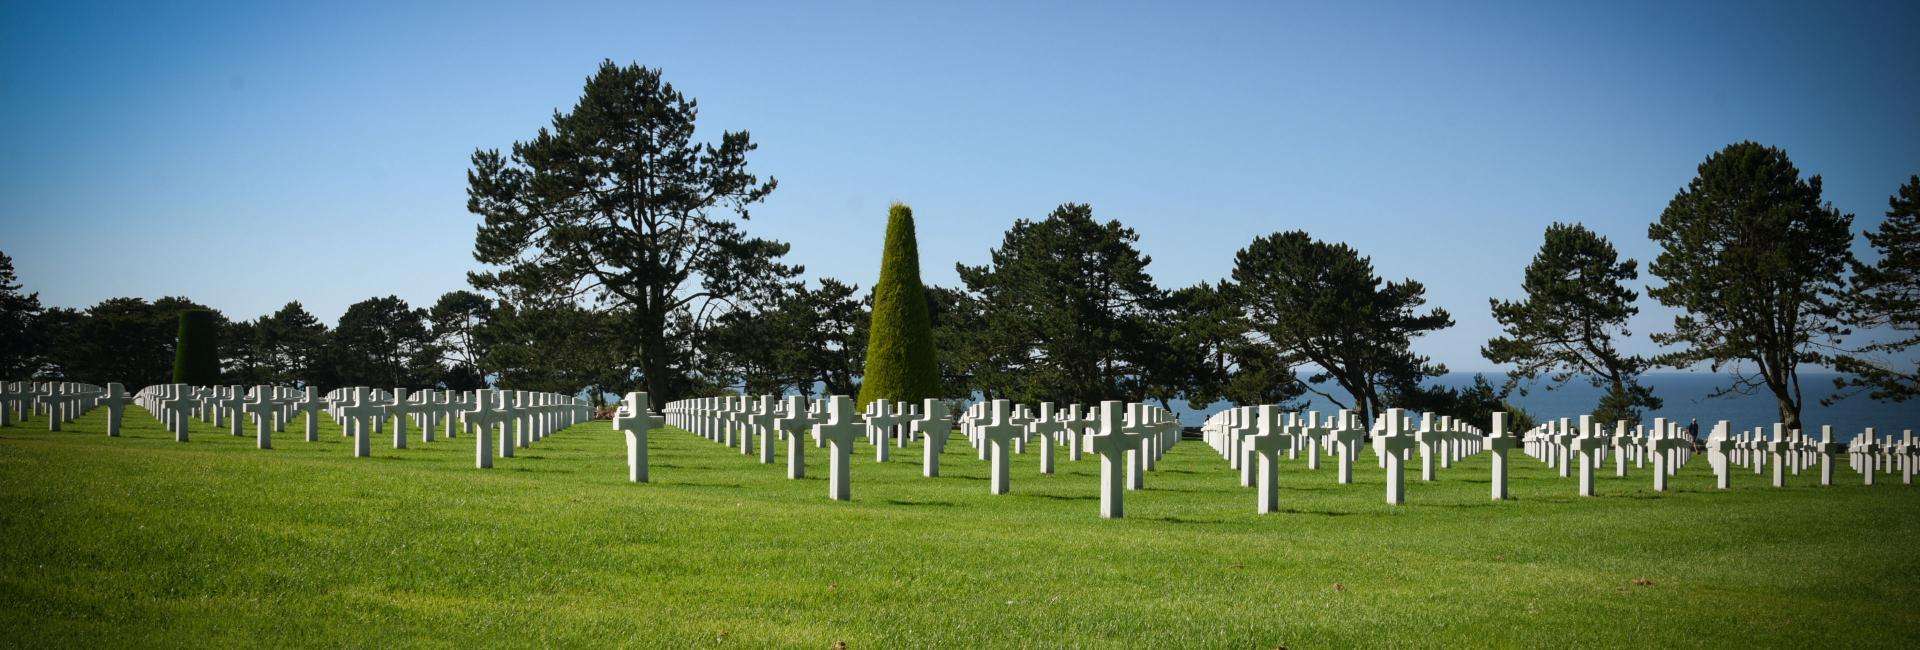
(1485, 504)
(904, 502)
(730, 486)
(1072, 497)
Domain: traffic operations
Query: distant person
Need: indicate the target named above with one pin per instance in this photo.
(1693, 428)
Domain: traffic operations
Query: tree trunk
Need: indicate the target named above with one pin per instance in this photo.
(654, 367)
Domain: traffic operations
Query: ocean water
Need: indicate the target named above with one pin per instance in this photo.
(1686, 396)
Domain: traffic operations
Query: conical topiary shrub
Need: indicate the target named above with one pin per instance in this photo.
(195, 359)
(900, 363)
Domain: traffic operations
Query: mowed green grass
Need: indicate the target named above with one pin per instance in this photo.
(142, 541)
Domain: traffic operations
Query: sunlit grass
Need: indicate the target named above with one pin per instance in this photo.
(142, 541)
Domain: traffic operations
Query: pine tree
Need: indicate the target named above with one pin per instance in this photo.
(1886, 296)
(900, 360)
(20, 348)
(1756, 261)
(196, 358)
(1577, 304)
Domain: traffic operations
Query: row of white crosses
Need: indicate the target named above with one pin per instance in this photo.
(1250, 438)
(1586, 444)
(1130, 438)
(1787, 451)
(999, 424)
(61, 401)
(740, 421)
(268, 407)
(1229, 431)
(522, 417)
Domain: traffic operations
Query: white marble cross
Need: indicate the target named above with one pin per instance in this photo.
(881, 420)
(998, 433)
(838, 432)
(1498, 442)
(399, 410)
(360, 415)
(933, 427)
(1391, 445)
(1045, 427)
(483, 418)
(311, 404)
(1348, 435)
(115, 399)
(228, 405)
(1269, 438)
(178, 406)
(793, 425)
(759, 422)
(636, 418)
(262, 407)
(1112, 444)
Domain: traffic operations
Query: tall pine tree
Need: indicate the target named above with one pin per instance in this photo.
(1757, 263)
(1576, 304)
(1887, 295)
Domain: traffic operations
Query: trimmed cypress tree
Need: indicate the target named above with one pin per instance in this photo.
(195, 359)
(900, 363)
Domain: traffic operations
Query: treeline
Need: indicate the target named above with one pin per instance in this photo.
(615, 257)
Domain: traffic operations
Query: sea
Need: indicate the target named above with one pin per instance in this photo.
(1686, 396)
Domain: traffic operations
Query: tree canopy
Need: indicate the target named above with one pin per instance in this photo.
(1885, 296)
(1576, 305)
(1066, 305)
(616, 206)
(1756, 262)
(1319, 303)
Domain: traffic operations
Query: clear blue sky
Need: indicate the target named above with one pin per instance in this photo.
(247, 155)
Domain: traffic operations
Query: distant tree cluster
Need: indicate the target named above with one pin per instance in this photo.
(1761, 270)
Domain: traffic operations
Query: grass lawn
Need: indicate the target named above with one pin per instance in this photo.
(141, 541)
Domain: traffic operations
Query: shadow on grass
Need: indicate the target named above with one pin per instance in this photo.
(903, 502)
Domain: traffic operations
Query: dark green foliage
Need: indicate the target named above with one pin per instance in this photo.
(958, 323)
(1214, 355)
(293, 344)
(1756, 263)
(242, 359)
(1320, 303)
(196, 353)
(127, 340)
(805, 340)
(1066, 309)
(289, 347)
(559, 347)
(1886, 296)
(459, 322)
(1576, 304)
(900, 363)
(616, 206)
(384, 342)
(21, 343)
(827, 337)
